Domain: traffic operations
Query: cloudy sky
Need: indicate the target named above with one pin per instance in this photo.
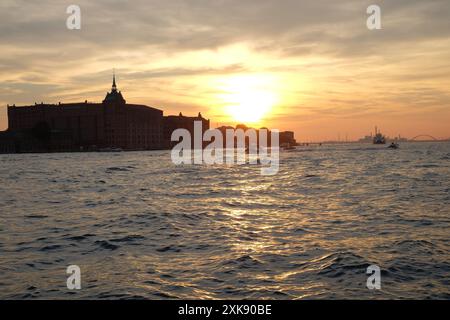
(310, 66)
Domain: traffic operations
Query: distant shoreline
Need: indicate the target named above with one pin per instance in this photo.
(299, 145)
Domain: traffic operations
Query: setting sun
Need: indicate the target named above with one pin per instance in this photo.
(248, 99)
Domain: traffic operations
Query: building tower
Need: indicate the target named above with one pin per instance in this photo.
(114, 96)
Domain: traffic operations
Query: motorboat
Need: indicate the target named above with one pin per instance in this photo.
(394, 145)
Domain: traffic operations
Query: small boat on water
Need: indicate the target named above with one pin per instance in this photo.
(394, 145)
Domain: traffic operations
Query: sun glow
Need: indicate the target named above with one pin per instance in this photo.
(248, 99)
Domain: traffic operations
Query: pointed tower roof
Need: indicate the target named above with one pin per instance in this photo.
(114, 86)
(114, 96)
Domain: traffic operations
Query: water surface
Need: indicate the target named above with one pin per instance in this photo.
(139, 227)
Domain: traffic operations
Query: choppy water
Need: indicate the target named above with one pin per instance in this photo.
(140, 227)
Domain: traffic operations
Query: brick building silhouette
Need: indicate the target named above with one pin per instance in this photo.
(114, 123)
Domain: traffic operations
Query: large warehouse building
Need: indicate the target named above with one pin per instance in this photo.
(90, 126)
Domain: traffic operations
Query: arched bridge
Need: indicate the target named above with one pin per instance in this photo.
(424, 137)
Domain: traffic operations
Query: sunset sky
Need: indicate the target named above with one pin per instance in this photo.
(308, 66)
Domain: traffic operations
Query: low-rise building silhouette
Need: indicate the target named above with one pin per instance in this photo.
(172, 123)
(114, 123)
